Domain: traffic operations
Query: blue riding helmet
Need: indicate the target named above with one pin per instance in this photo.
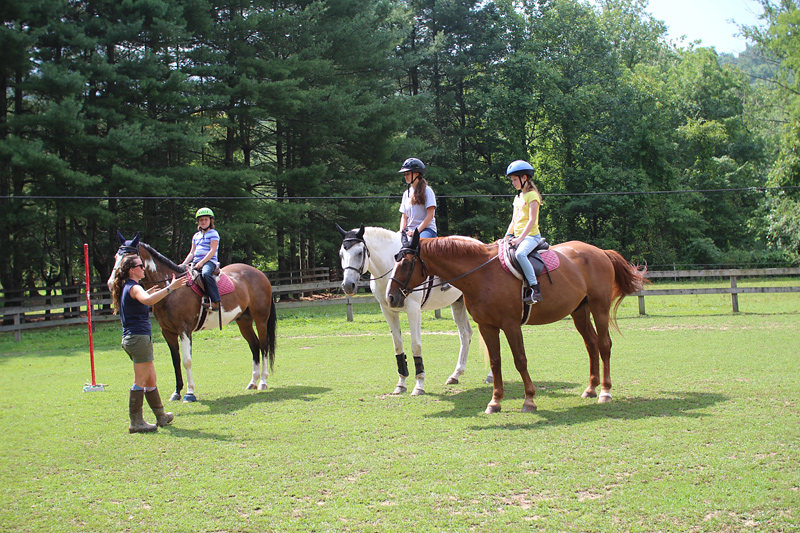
(520, 167)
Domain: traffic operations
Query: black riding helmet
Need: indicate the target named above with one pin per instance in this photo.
(412, 164)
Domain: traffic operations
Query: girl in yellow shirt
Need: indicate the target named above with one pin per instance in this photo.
(524, 227)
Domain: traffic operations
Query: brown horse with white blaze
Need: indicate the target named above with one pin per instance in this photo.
(181, 313)
(589, 283)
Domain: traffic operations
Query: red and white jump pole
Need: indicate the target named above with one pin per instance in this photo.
(93, 386)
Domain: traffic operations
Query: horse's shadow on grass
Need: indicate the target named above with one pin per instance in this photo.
(229, 404)
(469, 403)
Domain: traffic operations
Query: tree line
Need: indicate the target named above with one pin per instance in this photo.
(286, 117)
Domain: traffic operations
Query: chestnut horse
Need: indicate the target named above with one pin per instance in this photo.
(589, 281)
(180, 313)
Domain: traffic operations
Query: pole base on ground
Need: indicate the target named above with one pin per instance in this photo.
(99, 387)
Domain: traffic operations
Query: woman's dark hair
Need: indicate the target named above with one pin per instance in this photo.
(119, 281)
(420, 186)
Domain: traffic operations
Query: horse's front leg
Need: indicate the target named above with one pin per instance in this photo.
(393, 319)
(461, 318)
(175, 352)
(414, 312)
(517, 345)
(186, 352)
(491, 338)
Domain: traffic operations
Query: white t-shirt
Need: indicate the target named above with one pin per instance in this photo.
(416, 213)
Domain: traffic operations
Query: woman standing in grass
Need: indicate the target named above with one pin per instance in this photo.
(133, 303)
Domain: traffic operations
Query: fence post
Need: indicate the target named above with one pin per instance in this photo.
(437, 313)
(734, 296)
(641, 305)
(17, 331)
(349, 310)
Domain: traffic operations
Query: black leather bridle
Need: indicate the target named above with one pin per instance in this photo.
(404, 290)
(364, 256)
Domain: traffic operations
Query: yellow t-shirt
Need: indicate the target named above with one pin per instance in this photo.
(521, 212)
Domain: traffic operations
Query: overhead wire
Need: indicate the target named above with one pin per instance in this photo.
(394, 197)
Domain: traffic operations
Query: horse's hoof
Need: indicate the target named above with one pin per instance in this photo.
(399, 390)
(605, 397)
(491, 409)
(528, 408)
(189, 398)
(417, 392)
(262, 386)
(489, 380)
(451, 381)
(589, 394)
(175, 397)
(250, 386)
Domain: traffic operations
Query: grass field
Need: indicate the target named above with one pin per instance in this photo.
(703, 433)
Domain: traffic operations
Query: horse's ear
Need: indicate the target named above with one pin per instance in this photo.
(403, 239)
(415, 240)
(135, 241)
(121, 238)
(360, 233)
(341, 231)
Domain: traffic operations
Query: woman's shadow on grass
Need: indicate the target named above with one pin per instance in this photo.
(471, 403)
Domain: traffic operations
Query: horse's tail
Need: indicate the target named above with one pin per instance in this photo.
(272, 324)
(628, 279)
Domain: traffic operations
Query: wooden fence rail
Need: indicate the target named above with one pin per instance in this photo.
(731, 274)
(19, 313)
(67, 305)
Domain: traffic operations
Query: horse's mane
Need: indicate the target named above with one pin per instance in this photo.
(158, 255)
(455, 246)
(381, 234)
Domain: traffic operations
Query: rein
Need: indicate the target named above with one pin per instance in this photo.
(165, 280)
(128, 250)
(406, 291)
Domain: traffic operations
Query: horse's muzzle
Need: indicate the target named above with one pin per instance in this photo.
(395, 300)
(349, 288)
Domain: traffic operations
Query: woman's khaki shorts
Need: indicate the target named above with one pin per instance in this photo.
(139, 348)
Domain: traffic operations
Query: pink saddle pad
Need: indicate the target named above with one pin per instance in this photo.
(224, 285)
(509, 262)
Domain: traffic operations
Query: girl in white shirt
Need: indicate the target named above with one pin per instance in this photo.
(418, 207)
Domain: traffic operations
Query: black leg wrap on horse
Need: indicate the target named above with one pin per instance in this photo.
(420, 368)
(402, 366)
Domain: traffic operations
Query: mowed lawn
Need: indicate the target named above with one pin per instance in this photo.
(703, 433)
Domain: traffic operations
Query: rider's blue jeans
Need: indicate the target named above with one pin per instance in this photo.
(524, 248)
(208, 280)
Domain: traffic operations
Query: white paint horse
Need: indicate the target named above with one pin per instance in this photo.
(373, 250)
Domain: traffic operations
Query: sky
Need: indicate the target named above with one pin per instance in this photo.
(707, 20)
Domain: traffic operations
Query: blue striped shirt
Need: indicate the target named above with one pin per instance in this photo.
(202, 243)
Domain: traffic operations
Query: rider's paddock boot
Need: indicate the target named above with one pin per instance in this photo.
(138, 425)
(536, 295)
(154, 400)
(531, 295)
